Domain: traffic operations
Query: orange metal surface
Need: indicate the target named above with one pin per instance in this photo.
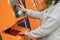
(7, 17)
(29, 5)
(40, 4)
(34, 23)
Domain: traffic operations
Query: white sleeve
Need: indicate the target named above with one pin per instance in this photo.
(51, 24)
(34, 14)
(45, 29)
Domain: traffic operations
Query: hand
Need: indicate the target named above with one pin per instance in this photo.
(21, 7)
(23, 33)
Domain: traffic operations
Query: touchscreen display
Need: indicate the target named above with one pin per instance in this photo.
(24, 23)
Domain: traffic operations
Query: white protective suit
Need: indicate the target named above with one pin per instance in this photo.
(50, 28)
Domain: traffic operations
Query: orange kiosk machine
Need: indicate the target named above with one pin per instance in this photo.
(9, 20)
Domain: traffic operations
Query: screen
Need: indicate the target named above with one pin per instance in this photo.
(24, 23)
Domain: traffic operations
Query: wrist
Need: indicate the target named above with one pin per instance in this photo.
(24, 10)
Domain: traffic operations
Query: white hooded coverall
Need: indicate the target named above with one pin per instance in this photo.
(50, 28)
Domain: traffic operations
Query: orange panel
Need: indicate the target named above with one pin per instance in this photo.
(40, 4)
(29, 4)
(34, 23)
(7, 17)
